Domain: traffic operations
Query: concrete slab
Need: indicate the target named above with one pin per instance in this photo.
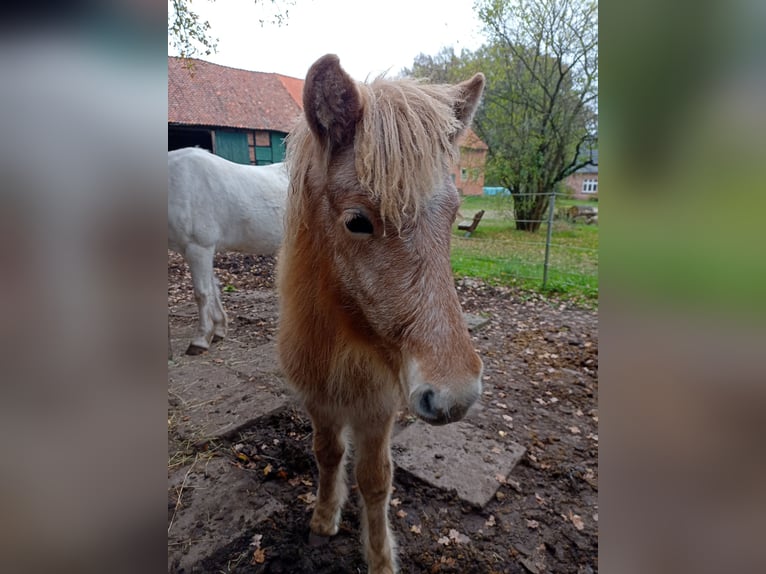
(219, 503)
(475, 322)
(259, 362)
(210, 400)
(456, 456)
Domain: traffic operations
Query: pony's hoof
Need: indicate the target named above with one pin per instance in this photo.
(324, 526)
(195, 350)
(217, 338)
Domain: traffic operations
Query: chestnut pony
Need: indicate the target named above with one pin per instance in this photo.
(369, 316)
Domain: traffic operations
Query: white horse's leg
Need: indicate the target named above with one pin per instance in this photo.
(329, 450)
(220, 320)
(200, 260)
(374, 473)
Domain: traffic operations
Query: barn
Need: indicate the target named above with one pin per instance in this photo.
(244, 116)
(240, 115)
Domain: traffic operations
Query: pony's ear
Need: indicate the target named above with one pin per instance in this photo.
(331, 102)
(469, 96)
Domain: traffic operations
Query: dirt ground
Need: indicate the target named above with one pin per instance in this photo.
(541, 391)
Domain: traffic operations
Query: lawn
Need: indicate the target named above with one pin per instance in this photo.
(496, 252)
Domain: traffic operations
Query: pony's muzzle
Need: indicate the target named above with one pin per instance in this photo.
(442, 406)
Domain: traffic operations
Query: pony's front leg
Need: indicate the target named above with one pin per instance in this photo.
(200, 260)
(374, 474)
(330, 451)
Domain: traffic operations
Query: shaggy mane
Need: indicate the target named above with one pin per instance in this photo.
(403, 143)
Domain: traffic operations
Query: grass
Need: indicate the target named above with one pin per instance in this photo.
(499, 254)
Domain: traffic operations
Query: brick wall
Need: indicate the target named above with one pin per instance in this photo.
(576, 182)
(468, 175)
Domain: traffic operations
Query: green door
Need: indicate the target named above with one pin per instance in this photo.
(232, 146)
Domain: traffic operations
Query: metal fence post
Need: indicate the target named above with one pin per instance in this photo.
(551, 207)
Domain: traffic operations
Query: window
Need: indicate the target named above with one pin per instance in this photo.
(590, 186)
(463, 174)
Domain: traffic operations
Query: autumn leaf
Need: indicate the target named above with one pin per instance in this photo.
(576, 521)
(490, 521)
(532, 524)
(415, 528)
(458, 537)
(395, 502)
(259, 556)
(309, 498)
(444, 541)
(256, 540)
(267, 470)
(401, 513)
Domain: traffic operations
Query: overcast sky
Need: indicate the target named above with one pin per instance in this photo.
(369, 36)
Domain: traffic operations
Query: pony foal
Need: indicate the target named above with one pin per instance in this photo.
(218, 205)
(369, 315)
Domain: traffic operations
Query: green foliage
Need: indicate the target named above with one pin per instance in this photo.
(187, 33)
(539, 112)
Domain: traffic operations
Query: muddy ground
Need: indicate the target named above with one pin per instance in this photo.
(541, 391)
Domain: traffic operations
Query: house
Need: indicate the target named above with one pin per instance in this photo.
(468, 175)
(237, 114)
(584, 181)
(245, 116)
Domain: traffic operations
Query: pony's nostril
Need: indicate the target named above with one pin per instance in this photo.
(427, 402)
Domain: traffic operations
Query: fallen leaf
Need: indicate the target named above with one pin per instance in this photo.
(458, 537)
(574, 430)
(490, 521)
(259, 556)
(267, 470)
(256, 540)
(401, 513)
(502, 433)
(309, 498)
(576, 521)
(395, 502)
(500, 478)
(415, 528)
(444, 541)
(532, 524)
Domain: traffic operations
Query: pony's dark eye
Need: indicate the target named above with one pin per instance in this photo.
(358, 223)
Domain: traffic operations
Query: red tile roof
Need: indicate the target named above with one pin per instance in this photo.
(201, 93)
(471, 141)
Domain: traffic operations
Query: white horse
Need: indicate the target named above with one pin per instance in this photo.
(217, 205)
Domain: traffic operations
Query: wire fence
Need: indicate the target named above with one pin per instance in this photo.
(561, 255)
